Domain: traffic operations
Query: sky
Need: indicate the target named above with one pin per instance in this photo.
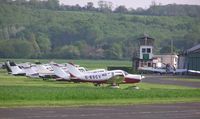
(131, 3)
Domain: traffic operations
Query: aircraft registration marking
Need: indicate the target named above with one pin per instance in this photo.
(99, 76)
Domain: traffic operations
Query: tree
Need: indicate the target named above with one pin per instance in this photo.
(3, 1)
(90, 6)
(105, 6)
(114, 51)
(35, 45)
(121, 9)
(69, 51)
(15, 49)
(23, 49)
(53, 4)
(34, 3)
(165, 49)
(44, 43)
(20, 2)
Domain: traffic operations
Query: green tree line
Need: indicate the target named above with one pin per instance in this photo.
(51, 32)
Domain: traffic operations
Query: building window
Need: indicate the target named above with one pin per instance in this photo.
(148, 50)
(143, 50)
(141, 64)
(149, 64)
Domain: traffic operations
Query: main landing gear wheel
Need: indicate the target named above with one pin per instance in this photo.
(114, 85)
(136, 87)
(97, 84)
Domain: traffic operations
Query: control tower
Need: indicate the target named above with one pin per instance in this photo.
(144, 57)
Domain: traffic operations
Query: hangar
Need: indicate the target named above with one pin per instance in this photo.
(190, 59)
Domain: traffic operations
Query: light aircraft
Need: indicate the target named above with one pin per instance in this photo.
(13, 69)
(62, 71)
(194, 71)
(164, 70)
(1, 65)
(44, 70)
(99, 76)
(30, 70)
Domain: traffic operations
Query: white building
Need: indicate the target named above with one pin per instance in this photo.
(146, 52)
(168, 59)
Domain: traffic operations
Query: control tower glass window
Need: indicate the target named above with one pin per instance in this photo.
(143, 50)
(148, 50)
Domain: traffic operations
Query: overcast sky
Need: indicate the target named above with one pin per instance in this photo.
(131, 3)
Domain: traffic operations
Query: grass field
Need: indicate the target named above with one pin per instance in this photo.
(22, 91)
(91, 64)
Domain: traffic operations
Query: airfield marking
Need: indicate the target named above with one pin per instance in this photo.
(153, 111)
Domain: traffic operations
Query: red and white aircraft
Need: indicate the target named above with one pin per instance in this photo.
(113, 77)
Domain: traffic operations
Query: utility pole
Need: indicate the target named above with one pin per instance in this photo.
(171, 51)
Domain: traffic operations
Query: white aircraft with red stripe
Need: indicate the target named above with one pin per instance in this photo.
(113, 77)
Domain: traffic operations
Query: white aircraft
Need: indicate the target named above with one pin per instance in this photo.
(61, 72)
(1, 65)
(194, 71)
(164, 70)
(44, 70)
(30, 70)
(13, 69)
(97, 77)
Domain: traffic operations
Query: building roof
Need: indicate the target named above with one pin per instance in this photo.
(146, 37)
(194, 49)
(146, 40)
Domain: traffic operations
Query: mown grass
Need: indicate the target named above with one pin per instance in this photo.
(91, 64)
(29, 93)
(86, 95)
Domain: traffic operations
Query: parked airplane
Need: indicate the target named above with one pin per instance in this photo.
(113, 77)
(194, 71)
(1, 65)
(14, 69)
(30, 70)
(164, 70)
(44, 70)
(61, 72)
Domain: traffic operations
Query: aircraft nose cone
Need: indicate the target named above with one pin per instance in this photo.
(142, 77)
(133, 78)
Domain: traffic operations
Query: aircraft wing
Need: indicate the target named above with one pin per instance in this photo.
(153, 69)
(194, 71)
(180, 70)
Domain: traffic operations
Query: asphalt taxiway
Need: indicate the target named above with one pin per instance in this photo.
(152, 111)
(170, 80)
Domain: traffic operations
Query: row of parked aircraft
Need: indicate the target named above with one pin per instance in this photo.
(72, 73)
(168, 69)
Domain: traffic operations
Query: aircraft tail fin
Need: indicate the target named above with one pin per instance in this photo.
(7, 65)
(74, 72)
(60, 72)
(15, 70)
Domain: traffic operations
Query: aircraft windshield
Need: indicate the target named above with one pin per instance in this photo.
(125, 73)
